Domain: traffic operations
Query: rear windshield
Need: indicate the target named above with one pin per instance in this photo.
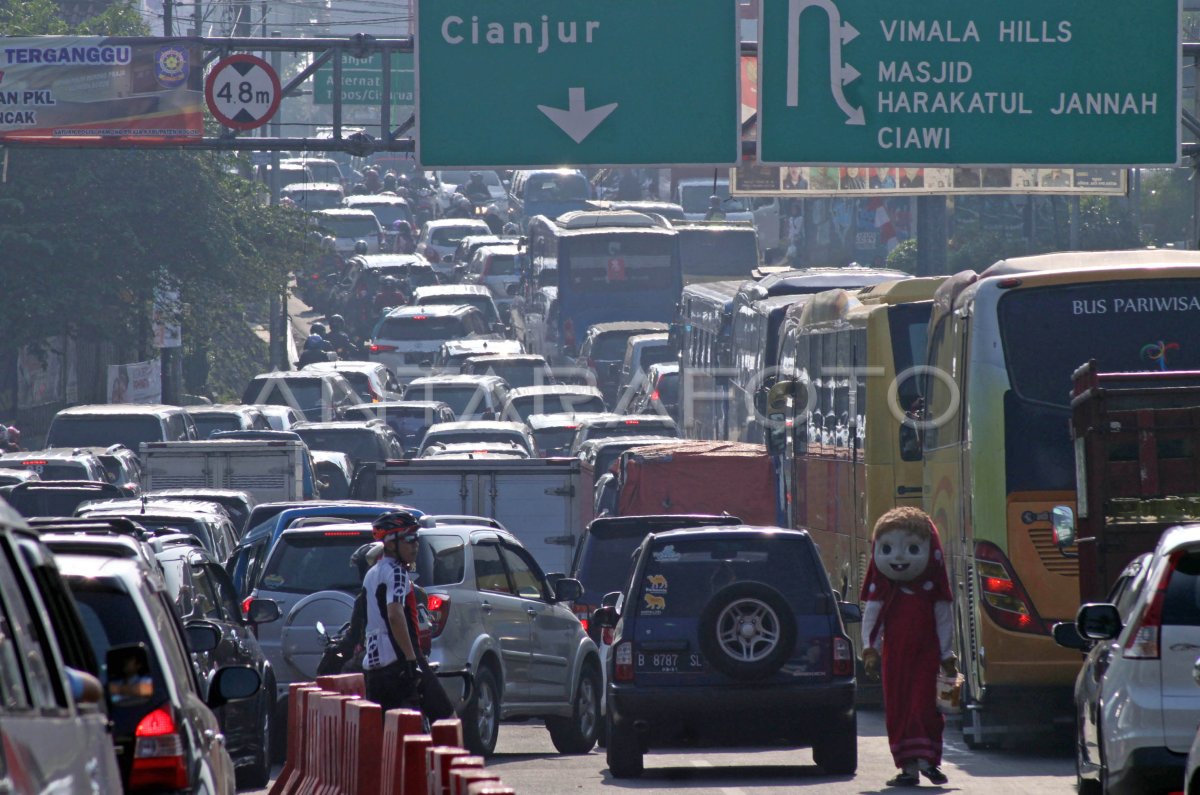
(1182, 605)
(389, 213)
(303, 393)
(604, 564)
(315, 199)
(50, 502)
(611, 346)
(207, 424)
(516, 375)
(419, 328)
(351, 227)
(655, 354)
(483, 303)
(556, 404)
(104, 431)
(475, 436)
(50, 470)
(461, 399)
(110, 619)
(555, 188)
(360, 445)
(502, 265)
(311, 562)
(361, 384)
(642, 428)
(684, 574)
(451, 236)
(554, 441)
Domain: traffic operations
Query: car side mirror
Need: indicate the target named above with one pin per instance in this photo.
(567, 590)
(233, 683)
(1066, 634)
(611, 599)
(851, 612)
(127, 668)
(1098, 621)
(263, 611)
(1063, 520)
(605, 617)
(202, 636)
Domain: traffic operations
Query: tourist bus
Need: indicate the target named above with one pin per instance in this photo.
(1003, 345)
(845, 454)
(607, 266)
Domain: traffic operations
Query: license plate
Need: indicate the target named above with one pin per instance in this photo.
(662, 662)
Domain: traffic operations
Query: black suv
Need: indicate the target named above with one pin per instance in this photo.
(733, 622)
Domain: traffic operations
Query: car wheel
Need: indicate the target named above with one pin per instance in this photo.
(481, 721)
(577, 734)
(836, 751)
(258, 774)
(624, 754)
(747, 630)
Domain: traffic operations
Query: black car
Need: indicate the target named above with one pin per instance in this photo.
(203, 591)
(371, 442)
(163, 723)
(737, 622)
(408, 418)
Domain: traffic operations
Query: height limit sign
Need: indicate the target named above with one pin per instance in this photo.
(243, 91)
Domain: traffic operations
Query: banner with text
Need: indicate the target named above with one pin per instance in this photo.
(67, 88)
(799, 181)
(362, 81)
(137, 382)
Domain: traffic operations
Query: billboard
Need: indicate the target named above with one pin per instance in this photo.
(77, 88)
(754, 179)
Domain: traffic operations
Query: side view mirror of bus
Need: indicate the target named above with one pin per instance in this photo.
(776, 433)
(1063, 520)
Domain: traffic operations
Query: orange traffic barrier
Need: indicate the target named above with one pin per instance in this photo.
(332, 729)
(397, 724)
(437, 765)
(447, 732)
(310, 754)
(295, 730)
(363, 746)
(412, 764)
(346, 684)
(461, 780)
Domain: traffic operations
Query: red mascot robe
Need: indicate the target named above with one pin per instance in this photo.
(910, 624)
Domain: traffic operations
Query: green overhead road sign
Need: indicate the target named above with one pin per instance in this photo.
(1012, 82)
(580, 82)
(362, 81)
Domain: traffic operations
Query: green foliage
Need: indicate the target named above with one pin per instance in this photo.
(1167, 205)
(976, 249)
(1106, 224)
(904, 257)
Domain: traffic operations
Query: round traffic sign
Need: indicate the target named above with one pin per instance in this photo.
(243, 91)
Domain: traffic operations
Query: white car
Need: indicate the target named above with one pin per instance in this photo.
(1136, 699)
(694, 196)
(439, 239)
(348, 226)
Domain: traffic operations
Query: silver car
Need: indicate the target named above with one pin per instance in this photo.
(496, 614)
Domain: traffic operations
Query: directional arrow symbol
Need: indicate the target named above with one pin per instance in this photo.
(576, 121)
(839, 74)
(849, 33)
(849, 74)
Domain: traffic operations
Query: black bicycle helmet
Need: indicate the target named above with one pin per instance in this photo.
(393, 522)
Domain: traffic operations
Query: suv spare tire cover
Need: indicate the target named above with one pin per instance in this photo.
(301, 645)
(747, 630)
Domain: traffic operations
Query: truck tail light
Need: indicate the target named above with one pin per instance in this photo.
(1004, 598)
(1144, 639)
(623, 662)
(843, 657)
(158, 759)
(439, 608)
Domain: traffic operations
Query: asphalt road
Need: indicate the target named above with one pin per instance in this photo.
(526, 761)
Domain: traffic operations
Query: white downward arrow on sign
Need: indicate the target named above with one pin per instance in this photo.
(575, 121)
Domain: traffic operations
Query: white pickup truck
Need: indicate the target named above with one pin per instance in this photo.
(273, 471)
(536, 498)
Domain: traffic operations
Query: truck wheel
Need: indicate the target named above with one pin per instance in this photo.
(836, 751)
(481, 721)
(577, 734)
(624, 754)
(747, 630)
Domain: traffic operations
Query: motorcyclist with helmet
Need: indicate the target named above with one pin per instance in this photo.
(460, 207)
(390, 294)
(389, 182)
(314, 351)
(475, 190)
(404, 242)
(392, 651)
(339, 339)
(361, 248)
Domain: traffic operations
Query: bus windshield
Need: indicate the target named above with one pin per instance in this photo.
(1125, 326)
(724, 252)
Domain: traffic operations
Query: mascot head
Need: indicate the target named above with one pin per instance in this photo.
(903, 541)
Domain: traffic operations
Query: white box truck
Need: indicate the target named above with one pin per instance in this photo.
(536, 498)
(272, 470)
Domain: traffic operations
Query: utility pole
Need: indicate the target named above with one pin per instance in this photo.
(932, 241)
(278, 321)
(168, 18)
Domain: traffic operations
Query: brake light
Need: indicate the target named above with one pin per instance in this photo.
(382, 348)
(623, 662)
(420, 317)
(584, 614)
(1143, 643)
(654, 395)
(606, 636)
(1004, 598)
(439, 609)
(158, 760)
(33, 463)
(633, 422)
(843, 657)
(246, 606)
(341, 533)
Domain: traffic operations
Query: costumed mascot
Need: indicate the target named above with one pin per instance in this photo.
(908, 623)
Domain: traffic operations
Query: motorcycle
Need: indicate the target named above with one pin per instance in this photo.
(335, 658)
(425, 207)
